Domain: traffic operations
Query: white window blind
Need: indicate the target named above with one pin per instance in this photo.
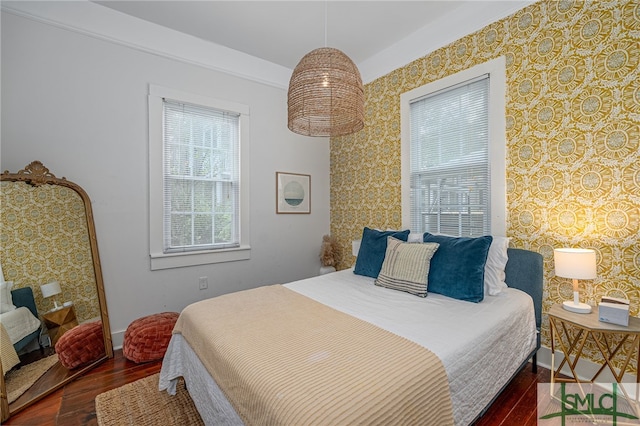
(449, 166)
(201, 169)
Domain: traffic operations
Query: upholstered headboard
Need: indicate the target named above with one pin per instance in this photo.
(24, 297)
(524, 271)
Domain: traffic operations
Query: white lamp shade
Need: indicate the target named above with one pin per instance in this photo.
(50, 289)
(575, 263)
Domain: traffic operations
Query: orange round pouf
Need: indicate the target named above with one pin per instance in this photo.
(81, 345)
(147, 338)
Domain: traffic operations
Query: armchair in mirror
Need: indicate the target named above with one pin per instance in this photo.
(54, 324)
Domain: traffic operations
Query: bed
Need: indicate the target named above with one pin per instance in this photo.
(20, 318)
(480, 345)
(19, 324)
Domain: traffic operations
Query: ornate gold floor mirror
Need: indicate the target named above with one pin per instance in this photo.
(48, 243)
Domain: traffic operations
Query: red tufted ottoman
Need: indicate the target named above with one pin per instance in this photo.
(147, 338)
(81, 345)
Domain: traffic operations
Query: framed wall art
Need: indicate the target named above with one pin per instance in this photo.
(293, 193)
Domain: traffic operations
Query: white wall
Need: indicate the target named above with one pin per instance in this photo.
(79, 105)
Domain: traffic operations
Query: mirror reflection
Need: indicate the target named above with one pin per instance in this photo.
(53, 318)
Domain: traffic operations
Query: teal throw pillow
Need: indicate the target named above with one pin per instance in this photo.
(457, 268)
(372, 250)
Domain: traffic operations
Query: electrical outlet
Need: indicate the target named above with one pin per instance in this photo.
(204, 283)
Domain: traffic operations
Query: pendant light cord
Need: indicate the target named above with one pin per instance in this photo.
(325, 24)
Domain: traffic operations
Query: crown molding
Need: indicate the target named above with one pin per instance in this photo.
(90, 19)
(467, 18)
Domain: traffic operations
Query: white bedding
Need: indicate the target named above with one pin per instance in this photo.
(480, 344)
(19, 323)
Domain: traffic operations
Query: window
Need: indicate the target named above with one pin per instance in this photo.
(198, 203)
(453, 154)
(450, 160)
(200, 171)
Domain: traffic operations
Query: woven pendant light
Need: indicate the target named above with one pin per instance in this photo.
(325, 97)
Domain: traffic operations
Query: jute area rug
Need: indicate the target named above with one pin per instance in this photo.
(18, 381)
(140, 403)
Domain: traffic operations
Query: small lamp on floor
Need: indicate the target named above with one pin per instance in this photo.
(51, 289)
(576, 264)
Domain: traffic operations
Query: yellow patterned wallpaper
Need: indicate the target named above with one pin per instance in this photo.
(44, 238)
(573, 140)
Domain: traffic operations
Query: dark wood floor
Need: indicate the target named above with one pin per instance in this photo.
(74, 405)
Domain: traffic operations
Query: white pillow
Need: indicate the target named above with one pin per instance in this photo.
(415, 237)
(6, 301)
(494, 268)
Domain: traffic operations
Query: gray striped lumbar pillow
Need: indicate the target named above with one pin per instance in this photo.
(406, 266)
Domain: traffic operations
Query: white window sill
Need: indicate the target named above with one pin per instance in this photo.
(179, 260)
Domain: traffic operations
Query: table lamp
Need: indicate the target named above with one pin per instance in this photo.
(50, 290)
(576, 264)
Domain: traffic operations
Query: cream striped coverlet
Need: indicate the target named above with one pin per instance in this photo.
(284, 359)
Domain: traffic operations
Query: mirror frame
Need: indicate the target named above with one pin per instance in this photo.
(37, 174)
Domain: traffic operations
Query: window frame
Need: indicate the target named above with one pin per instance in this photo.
(496, 69)
(159, 259)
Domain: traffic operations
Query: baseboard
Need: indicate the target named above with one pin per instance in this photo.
(585, 368)
(117, 339)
